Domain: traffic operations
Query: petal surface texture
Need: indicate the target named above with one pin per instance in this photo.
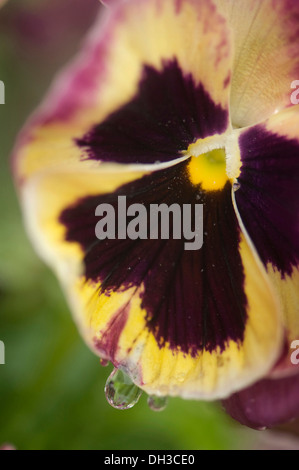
(266, 62)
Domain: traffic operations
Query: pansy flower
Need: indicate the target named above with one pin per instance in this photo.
(178, 102)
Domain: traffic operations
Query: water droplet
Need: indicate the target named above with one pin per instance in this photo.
(120, 391)
(236, 186)
(157, 403)
(104, 362)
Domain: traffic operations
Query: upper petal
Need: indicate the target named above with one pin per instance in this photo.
(266, 61)
(196, 324)
(123, 73)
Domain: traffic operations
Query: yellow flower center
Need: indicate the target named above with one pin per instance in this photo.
(209, 170)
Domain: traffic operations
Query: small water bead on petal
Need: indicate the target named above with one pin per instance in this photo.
(157, 403)
(121, 393)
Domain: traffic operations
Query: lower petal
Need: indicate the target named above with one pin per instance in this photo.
(199, 324)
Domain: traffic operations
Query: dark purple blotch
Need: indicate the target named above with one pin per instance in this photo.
(169, 112)
(193, 299)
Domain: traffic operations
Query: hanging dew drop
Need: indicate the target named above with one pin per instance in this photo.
(157, 403)
(120, 391)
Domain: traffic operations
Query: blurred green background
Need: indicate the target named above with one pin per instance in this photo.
(51, 387)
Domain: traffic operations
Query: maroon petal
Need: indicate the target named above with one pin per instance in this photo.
(266, 404)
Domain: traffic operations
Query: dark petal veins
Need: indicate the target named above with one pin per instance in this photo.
(168, 113)
(268, 199)
(193, 299)
(267, 403)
